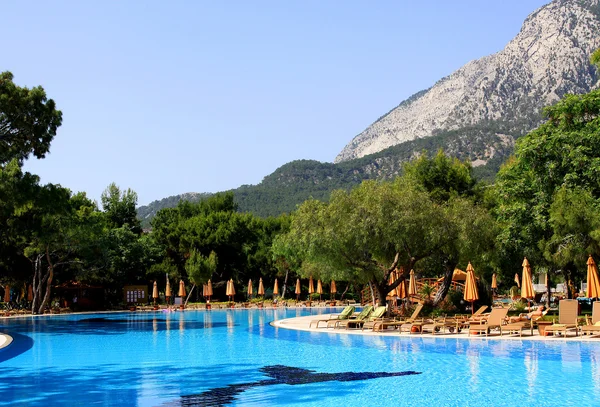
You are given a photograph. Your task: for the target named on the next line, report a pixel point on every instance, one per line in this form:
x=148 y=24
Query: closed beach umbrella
x=311 y=285
x=276 y=288
x=204 y=289
x=333 y=289
x=319 y=289
x=517 y=280
x=471 y=295
x=6 y=293
x=494 y=282
x=155 y=291
x=412 y=285
x=527 y=290
x=593 y=285
x=298 y=291
x=168 y=289
x=401 y=290
x=249 y=288
x=209 y=290
x=30 y=293
x=231 y=287
x=261 y=287
x=228 y=289
x=391 y=281
x=182 y=292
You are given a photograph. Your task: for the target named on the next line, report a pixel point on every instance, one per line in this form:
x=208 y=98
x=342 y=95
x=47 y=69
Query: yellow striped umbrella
x=261 y=287
x=471 y=295
x=527 y=290
x=593 y=285
x=412 y=285
x=275 y=288
x=181 y=289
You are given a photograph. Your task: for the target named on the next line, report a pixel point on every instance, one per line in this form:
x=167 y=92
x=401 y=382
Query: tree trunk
x=284 y=284
x=382 y=290
x=446 y=283
x=48 y=281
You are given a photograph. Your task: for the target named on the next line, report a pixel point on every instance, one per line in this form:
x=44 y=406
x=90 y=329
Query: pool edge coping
x=7 y=340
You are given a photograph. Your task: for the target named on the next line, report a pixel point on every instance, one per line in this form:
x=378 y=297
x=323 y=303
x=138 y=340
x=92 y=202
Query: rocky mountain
x=501 y=94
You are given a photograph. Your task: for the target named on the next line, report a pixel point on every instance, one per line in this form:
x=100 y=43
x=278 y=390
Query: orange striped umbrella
x=593 y=285
x=181 y=289
x=168 y=289
x=209 y=290
x=517 y=280
x=401 y=290
x=412 y=285
x=204 y=289
x=471 y=295
x=298 y=290
x=319 y=289
x=250 y=288
x=391 y=281
x=494 y=282
x=6 y=293
x=311 y=285
x=276 y=288
x=231 y=287
x=527 y=290
x=261 y=287
x=155 y=291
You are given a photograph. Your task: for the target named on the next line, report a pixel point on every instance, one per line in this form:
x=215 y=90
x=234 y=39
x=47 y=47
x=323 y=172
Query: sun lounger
x=567 y=318
x=376 y=315
x=363 y=315
x=519 y=327
x=384 y=324
x=593 y=326
x=494 y=320
x=345 y=314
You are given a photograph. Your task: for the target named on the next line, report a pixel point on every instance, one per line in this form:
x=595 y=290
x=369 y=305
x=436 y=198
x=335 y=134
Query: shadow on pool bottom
x=278 y=374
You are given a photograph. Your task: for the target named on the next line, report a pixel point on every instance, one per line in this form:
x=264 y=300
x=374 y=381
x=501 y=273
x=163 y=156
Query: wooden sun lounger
x=567 y=318
x=593 y=326
x=495 y=320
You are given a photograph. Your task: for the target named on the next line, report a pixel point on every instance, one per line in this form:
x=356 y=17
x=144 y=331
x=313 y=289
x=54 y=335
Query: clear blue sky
x=166 y=97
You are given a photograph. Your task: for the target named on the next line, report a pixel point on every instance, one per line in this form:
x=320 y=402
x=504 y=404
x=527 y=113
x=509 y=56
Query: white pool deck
x=303 y=324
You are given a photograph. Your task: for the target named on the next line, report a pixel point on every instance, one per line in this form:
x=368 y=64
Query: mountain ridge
x=547 y=59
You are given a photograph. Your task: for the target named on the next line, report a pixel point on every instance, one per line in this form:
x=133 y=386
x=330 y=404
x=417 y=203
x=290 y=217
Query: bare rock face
x=546 y=60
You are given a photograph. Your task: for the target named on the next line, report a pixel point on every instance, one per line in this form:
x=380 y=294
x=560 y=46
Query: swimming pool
x=235 y=358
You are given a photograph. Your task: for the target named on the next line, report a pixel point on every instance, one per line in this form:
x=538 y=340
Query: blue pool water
x=235 y=358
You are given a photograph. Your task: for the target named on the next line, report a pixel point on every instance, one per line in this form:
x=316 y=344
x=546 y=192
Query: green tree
x=365 y=234
x=561 y=154
x=119 y=207
x=28 y=121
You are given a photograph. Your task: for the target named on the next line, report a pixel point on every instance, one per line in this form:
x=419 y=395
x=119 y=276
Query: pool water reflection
x=234 y=357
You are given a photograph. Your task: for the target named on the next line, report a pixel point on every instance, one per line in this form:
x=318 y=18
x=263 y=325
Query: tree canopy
x=28 y=121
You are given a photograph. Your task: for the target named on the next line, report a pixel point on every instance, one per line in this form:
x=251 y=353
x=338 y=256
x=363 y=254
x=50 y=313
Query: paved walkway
x=302 y=324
